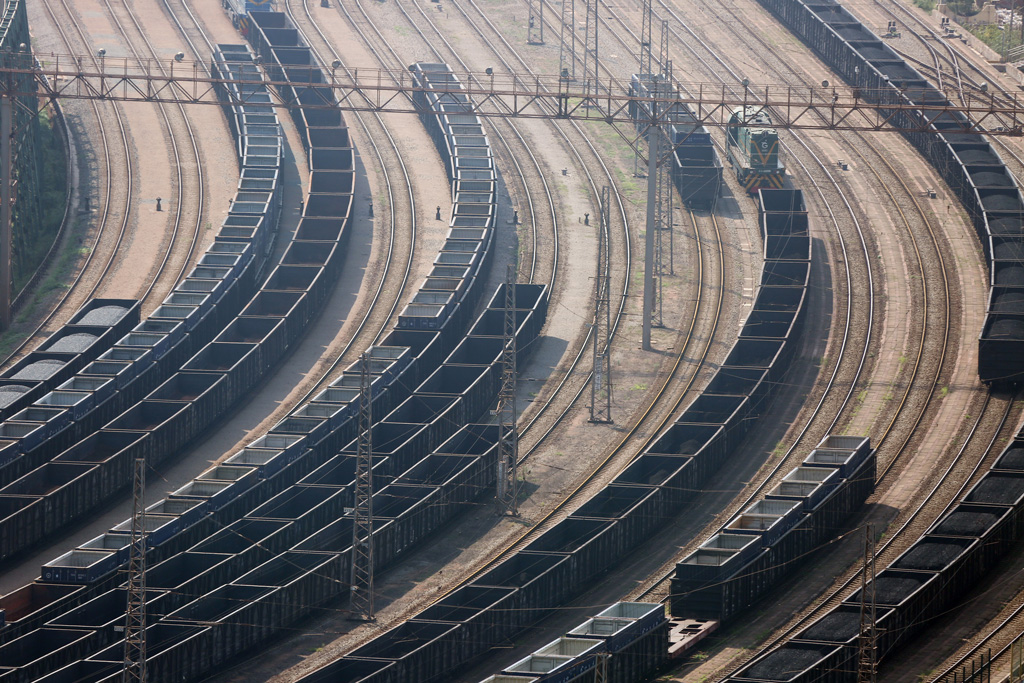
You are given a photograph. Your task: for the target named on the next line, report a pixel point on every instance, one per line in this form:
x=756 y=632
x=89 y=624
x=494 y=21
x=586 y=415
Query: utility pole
x=654 y=150
x=867 y=659
x=135 y=616
x=6 y=182
x=362 y=527
x=645 y=40
x=602 y=321
x=590 y=50
x=508 y=437
x=665 y=205
x=535 y=25
x=567 y=44
x=664 y=48
x=663 y=197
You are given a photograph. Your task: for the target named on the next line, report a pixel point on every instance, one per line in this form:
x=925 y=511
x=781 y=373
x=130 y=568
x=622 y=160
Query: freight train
x=483 y=616
x=752 y=146
x=55 y=462
x=219 y=546
x=922 y=585
x=766 y=542
x=696 y=168
x=967 y=162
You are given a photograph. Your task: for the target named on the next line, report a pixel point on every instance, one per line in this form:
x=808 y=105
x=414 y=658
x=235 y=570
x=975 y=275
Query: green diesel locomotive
x=752 y=145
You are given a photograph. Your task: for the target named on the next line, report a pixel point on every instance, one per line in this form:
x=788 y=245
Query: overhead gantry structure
x=486 y=94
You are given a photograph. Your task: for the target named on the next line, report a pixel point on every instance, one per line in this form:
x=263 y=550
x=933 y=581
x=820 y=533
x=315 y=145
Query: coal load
x=986 y=179
x=836 y=627
x=1005 y=226
x=999 y=490
x=967 y=524
x=783 y=664
x=1012 y=459
x=1007 y=329
x=1010 y=277
x=892 y=590
x=978 y=157
x=1009 y=251
x=42 y=369
x=1008 y=302
x=929 y=556
x=73 y=343
x=104 y=316
x=1000 y=202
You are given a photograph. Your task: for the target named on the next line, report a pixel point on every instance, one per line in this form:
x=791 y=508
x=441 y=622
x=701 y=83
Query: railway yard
x=389 y=385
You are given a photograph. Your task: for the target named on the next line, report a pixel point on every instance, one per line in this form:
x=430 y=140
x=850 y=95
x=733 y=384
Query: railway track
x=720 y=289
x=995 y=636
x=934 y=306
x=401 y=210
x=191 y=186
x=671 y=386
x=109 y=210
x=911 y=527
x=943 y=295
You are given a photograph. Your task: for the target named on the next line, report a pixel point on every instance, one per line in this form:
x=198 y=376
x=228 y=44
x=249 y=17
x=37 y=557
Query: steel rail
x=177 y=161
x=105 y=211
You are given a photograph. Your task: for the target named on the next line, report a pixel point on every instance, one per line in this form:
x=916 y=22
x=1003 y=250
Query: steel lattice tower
x=508 y=436
x=602 y=381
x=135 y=616
x=867 y=654
x=362 y=529
x=535 y=25
x=601 y=670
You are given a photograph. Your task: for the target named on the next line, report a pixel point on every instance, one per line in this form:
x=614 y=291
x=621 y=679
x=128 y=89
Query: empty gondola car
x=696 y=167
x=752 y=145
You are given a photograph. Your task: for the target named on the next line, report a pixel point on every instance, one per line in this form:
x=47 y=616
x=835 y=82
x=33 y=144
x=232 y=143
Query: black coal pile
x=835 y=627
x=930 y=556
x=987 y=179
x=978 y=157
x=966 y=524
x=784 y=663
x=1001 y=202
x=1012 y=459
x=995 y=489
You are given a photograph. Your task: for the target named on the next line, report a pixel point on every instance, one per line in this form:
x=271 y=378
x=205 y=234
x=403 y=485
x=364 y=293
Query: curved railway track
x=965 y=85
x=106 y=211
x=900 y=538
x=942 y=295
x=395 y=213
x=1000 y=636
x=915 y=523
x=669 y=387
x=726 y=75
x=928 y=304
x=397 y=60
x=179 y=165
